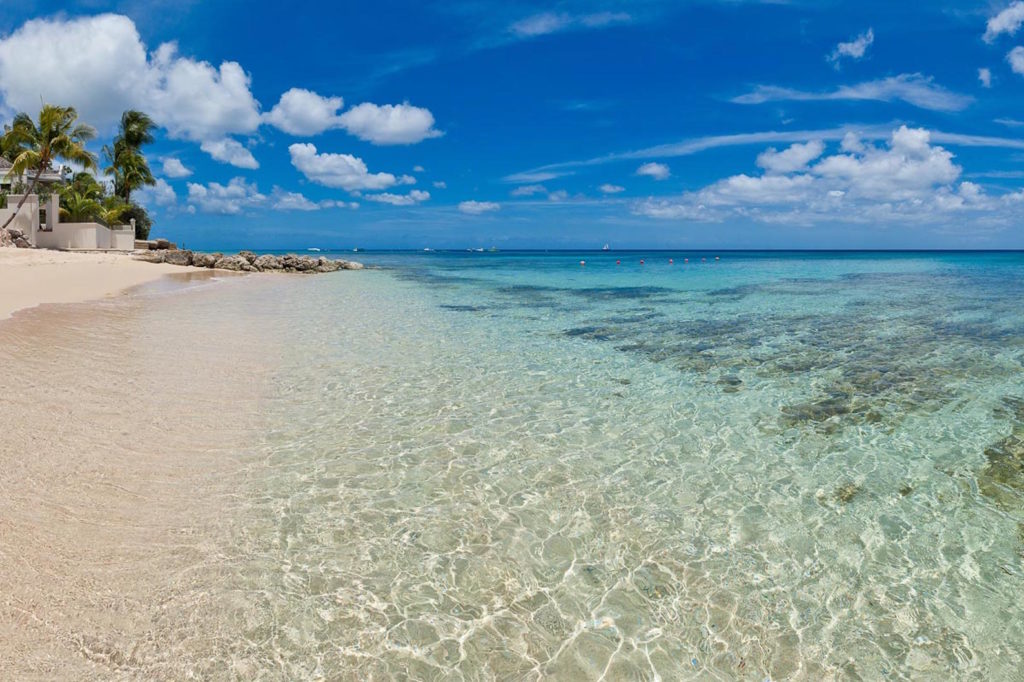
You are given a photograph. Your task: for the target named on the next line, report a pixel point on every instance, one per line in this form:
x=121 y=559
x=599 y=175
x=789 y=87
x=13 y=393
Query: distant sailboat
x=313 y=248
x=606 y=248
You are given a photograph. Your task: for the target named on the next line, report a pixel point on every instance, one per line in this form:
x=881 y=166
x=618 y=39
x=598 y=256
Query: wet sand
x=126 y=431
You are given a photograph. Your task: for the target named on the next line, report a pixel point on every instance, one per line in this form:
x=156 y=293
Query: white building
x=42 y=227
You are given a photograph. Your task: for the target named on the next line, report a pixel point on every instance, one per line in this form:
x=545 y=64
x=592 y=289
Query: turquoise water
x=768 y=466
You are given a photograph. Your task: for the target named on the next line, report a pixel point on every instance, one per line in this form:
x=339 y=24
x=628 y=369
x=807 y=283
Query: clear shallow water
x=492 y=466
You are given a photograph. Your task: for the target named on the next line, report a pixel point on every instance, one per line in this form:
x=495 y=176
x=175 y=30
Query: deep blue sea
x=656 y=466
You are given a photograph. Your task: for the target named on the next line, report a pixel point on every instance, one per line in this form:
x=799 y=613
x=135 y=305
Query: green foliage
x=84 y=199
x=35 y=146
x=127 y=163
x=143 y=222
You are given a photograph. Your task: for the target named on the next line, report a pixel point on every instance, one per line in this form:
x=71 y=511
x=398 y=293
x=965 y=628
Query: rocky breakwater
x=247 y=261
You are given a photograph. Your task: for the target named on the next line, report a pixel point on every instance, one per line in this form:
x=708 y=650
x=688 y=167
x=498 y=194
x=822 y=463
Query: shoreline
x=33 y=277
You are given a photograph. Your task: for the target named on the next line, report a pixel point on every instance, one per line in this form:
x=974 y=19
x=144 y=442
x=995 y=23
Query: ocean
x=514 y=466
x=657 y=466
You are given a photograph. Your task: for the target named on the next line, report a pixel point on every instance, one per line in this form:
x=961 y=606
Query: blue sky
x=723 y=124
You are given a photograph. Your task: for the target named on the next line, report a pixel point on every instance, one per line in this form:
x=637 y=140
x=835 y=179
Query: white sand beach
x=30 y=277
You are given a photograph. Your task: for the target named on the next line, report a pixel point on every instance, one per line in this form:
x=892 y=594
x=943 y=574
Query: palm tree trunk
x=24 y=198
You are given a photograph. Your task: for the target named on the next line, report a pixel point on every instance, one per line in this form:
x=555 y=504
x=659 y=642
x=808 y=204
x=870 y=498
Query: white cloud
x=160 y=194
x=440 y=184
x=231 y=152
x=794 y=158
x=174 y=168
x=1010 y=122
x=341 y=170
x=1016 y=59
x=558 y=195
x=1007 y=21
x=658 y=171
x=100 y=66
x=553 y=22
x=909 y=179
x=478 y=207
x=411 y=199
x=528 y=190
x=914 y=88
x=611 y=189
x=304 y=112
x=196 y=101
x=418 y=169
x=281 y=200
x=854 y=49
x=230 y=199
x=985 y=77
x=390 y=123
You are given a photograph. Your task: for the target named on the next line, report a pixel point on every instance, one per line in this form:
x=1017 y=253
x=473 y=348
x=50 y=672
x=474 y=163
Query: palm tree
x=128 y=165
x=57 y=136
x=83 y=199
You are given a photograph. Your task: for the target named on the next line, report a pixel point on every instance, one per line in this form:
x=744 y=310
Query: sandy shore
x=30 y=277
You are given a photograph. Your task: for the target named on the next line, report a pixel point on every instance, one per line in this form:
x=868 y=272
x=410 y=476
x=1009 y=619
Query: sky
x=463 y=124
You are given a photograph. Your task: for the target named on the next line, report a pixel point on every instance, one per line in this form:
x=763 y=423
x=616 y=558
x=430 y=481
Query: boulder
x=351 y=265
x=22 y=243
x=249 y=256
x=267 y=262
x=163 y=244
x=232 y=263
x=204 y=260
x=15 y=232
x=151 y=256
x=183 y=257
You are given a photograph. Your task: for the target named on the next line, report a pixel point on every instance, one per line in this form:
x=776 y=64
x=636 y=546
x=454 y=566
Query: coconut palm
x=58 y=135
x=127 y=164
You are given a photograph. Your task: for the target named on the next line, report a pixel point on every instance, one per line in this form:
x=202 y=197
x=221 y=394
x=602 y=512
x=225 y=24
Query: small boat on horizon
x=313 y=248
x=606 y=248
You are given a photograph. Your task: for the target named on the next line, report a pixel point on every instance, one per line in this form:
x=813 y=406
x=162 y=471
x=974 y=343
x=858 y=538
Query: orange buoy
x=618 y=262
x=583 y=262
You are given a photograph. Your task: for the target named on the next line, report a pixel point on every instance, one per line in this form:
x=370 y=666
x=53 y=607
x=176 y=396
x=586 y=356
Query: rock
x=232 y=263
x=351 y=265
x=15 y=232
x=22 y=243
x=151 y=256
x=179 y=257
x=163 y=244
x=267 y=262
x=5 y=239
x=249 y=256
x=204 y=260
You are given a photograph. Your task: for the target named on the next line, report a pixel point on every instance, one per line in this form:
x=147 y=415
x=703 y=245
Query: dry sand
x=30 y=277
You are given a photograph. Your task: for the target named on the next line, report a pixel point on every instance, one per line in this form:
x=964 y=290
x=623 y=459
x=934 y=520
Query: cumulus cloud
x=440 y=184
x=231 y=152
x=390 y=123
x=913 y=88
x=231 y=199
x=909 y=178
x=553 y=22
x=1016 y=59
x=341 y=170
x=281 y=200
x=985 y=77
x=304 y=112
x=853 y=49
x=411 y=199
x=160 y=194
x=558 y=195
x=478 y=207
x=611 y=189
x=100 y=66
x=528 y=190
x=174 y=168
x=658 y=171
x=793 y=158
x=1007 y=21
